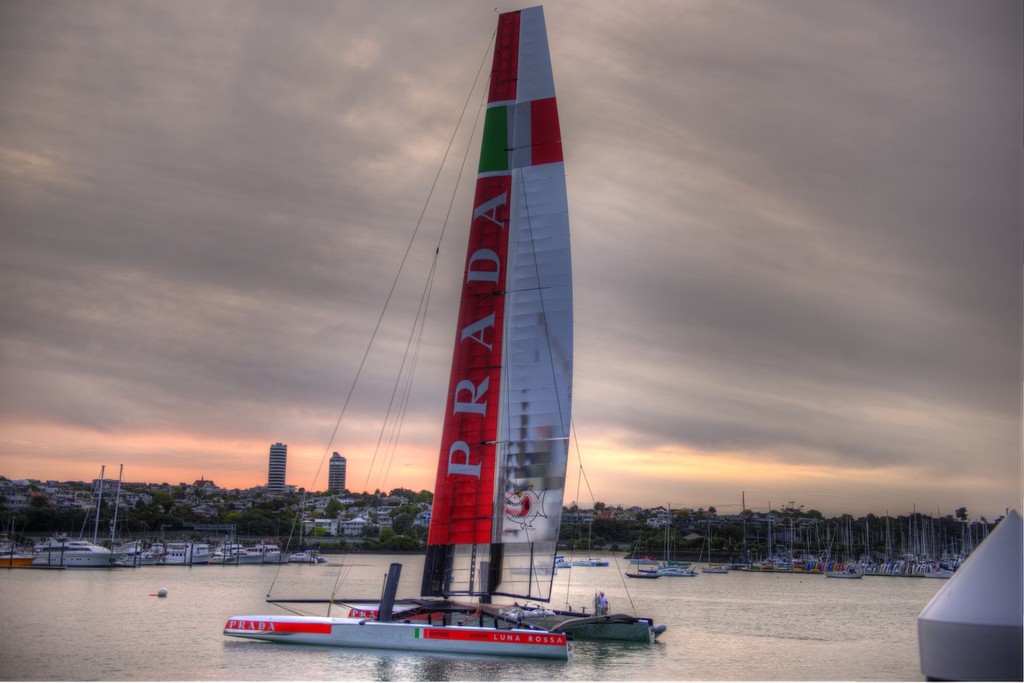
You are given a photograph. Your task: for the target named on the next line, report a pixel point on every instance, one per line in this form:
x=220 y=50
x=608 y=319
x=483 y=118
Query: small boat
x=153 y=554
x=669 y=570
x=583 y=626
x=60 y=551
x=850 y=571
x=14 y=555
x=186 y=553
x=644 y=574
x=263 y=553
x=307 y=557
x=938 y=574
x=590 y=562
x=227 y=553
x=222 y=558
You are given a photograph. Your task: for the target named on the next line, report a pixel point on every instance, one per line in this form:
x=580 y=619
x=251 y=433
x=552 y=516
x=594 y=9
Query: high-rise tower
x=336 y=472
x=278 y=461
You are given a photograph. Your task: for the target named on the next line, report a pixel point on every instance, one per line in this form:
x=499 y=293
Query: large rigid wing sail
x=502 y=461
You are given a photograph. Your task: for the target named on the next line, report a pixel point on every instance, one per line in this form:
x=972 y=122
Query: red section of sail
x=505 y=67
x=545 y=135
x=464 y=491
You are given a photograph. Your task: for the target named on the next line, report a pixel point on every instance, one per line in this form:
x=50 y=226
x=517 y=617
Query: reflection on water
x=106 y=625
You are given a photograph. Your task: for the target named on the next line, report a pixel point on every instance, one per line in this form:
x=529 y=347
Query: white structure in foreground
x=972 y=629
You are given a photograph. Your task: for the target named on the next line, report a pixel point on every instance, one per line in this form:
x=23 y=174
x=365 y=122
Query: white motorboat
x=153 y=554
x=186 y=553
x=590 y=562
x=307 y=557
x=60 y=551
x=263 y=553
x=670 y=570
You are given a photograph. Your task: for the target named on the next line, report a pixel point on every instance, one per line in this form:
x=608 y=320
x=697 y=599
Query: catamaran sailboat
x=502 y=461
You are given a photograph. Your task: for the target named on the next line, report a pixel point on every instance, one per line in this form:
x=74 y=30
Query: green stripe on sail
x=494 y=148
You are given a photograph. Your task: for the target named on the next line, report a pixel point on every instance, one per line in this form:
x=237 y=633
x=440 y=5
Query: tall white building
x=336 y=472
x=278 y=462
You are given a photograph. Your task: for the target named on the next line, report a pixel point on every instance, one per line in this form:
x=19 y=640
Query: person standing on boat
x=600 y=604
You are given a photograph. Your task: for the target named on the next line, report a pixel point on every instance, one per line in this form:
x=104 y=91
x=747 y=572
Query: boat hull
x=55 y=558
x=610 y=627
x=365 y=633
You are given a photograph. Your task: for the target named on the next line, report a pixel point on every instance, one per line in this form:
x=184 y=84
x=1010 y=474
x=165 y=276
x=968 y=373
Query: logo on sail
x=523 y=507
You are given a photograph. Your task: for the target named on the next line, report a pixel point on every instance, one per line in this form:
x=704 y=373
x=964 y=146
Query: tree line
x=688 y=536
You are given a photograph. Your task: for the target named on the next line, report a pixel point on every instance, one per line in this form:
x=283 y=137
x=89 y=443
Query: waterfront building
x=336 y=472
x=276 y=471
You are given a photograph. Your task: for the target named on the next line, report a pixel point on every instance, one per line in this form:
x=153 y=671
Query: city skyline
x=796 y=244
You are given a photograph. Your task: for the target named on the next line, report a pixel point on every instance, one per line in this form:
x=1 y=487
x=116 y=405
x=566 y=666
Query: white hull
x=186 y=554
x=939 y=574
x=355 y=632
x=56 y=559
x=72 y=553
x=676 y=571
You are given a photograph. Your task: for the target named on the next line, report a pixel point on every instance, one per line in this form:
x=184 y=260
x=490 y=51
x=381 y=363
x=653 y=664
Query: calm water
x=105 y=625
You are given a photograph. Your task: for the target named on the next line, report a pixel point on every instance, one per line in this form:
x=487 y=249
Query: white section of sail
x=534 y=418
x=536 y=81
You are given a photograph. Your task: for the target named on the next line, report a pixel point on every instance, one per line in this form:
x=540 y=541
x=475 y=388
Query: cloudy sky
x=796 y=247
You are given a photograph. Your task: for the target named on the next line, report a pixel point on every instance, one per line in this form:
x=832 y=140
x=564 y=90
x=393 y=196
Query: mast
x=117 y=502
x=99 y=499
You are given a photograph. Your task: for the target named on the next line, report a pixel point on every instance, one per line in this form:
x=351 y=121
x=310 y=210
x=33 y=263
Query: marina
x=740 y=626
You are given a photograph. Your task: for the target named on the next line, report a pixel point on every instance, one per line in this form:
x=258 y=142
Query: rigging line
x=407 y=394
x=583 y=476
x=337 y=582
x=572 y=554
x=424 y=301
x=394 y=284
x=403 y=379
x=428 y=289
x=423 y=311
